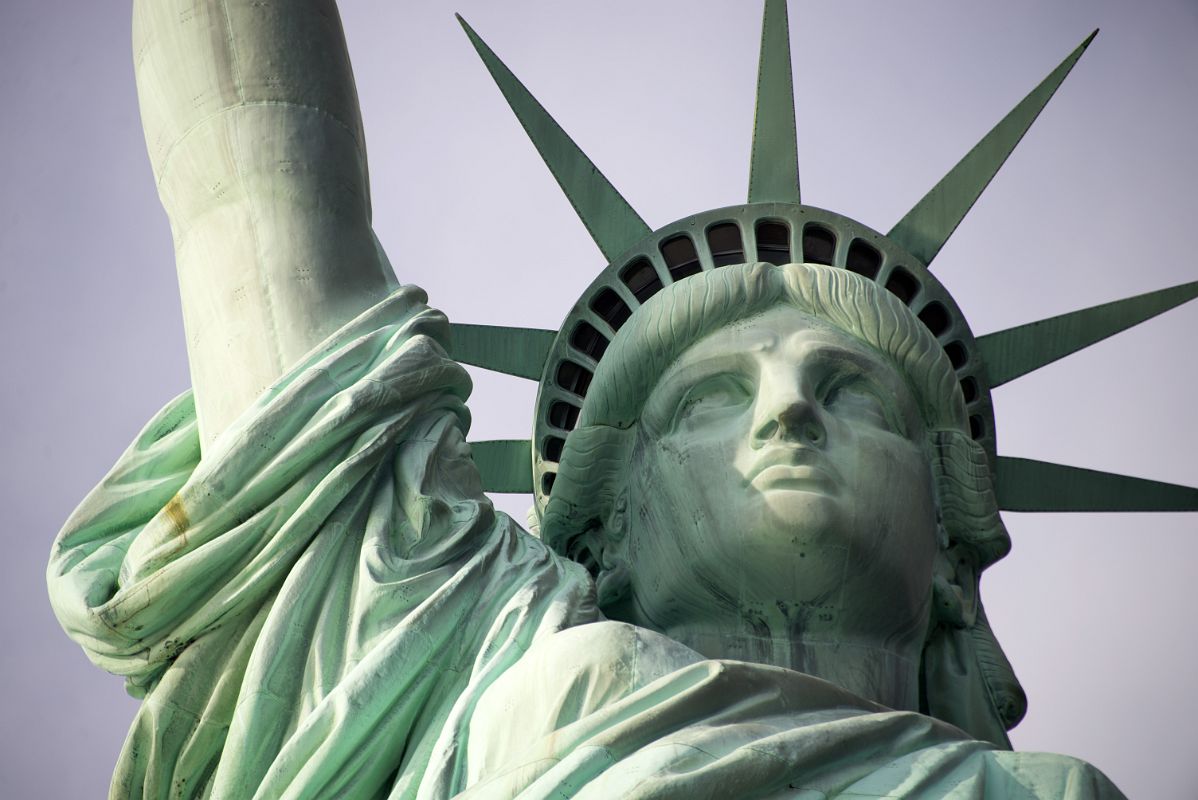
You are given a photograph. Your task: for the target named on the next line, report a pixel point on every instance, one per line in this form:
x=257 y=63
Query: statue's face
x=780 y=487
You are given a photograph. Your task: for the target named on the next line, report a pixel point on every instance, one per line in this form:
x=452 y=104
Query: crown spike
x=513 y=351
x=774 y=164
x=608 y=218
x=1017 y=351
x=1027 y=485
x=927 y=226
x=503 y=465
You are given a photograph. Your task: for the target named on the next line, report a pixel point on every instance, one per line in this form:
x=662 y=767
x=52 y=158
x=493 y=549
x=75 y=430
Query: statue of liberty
x=764 y=467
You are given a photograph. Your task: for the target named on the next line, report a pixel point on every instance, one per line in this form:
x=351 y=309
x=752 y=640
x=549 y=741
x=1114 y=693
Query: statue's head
x=781 y=454
x=751 y=457
x=793 y=464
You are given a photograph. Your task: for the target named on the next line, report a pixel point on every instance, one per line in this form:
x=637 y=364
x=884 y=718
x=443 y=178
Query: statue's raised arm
x=309 y=605
x=252 y=123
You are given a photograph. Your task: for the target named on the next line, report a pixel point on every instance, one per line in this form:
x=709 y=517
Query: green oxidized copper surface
x=840 y=242
x=764 y=460
x=907 y=250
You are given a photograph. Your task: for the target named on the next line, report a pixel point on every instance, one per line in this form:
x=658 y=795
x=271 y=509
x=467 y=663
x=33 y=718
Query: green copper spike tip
x=774 y=165
x=503 y=465
x=1017 y=351
x=513 y=351
x=1027 y=485
x=608 y=218
x=927 y=226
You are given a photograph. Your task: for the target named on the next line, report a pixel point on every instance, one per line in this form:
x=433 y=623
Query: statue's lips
x=794 y=469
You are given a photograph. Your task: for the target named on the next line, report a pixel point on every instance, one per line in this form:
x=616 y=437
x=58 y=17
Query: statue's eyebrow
x=876 y=366
x=719 y=358
x=671 y=385
x=735 y=360
x=867 y=361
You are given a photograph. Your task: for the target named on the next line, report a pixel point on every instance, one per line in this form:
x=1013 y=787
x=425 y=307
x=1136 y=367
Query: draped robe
x=327 y=605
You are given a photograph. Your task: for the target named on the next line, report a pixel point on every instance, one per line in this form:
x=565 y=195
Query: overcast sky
x=1095 y=611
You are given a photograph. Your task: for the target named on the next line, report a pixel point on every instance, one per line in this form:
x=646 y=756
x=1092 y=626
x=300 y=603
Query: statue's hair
x=592 y=472
x=686 y=311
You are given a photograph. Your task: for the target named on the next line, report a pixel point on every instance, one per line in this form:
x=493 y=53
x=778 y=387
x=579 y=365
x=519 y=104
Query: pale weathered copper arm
x=252 y=125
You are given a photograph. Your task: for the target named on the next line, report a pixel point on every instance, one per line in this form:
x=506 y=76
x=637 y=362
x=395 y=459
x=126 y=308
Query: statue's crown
x=775 y=226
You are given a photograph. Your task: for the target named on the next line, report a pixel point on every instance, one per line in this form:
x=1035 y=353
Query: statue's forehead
x=783 y=330
x=782 y=336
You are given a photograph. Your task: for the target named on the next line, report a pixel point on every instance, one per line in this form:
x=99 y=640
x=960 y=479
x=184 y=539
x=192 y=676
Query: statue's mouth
x=793 y=468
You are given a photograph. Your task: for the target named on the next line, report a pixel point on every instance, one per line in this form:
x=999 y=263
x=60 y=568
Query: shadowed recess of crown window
x=819 y=245
x=773 y=242
x=588 y=340
x=969 y=388
x=903 y=285
x=725 y=244
x=547 y=482
x=641 y=279
x=553 y=448
x=935 y=318
x=956 y=354
x=610 y=308
x=976 y=428
x=863 y=259
x=574 y=378
x=680 y=256
x=563 y=415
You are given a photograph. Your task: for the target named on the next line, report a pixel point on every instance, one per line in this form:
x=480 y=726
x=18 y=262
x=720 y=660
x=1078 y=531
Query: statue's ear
x=608 y=547
x=954 y=586
x=955 y=685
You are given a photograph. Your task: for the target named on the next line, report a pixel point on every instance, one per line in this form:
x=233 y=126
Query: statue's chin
x=790 y=561
x=787 y=517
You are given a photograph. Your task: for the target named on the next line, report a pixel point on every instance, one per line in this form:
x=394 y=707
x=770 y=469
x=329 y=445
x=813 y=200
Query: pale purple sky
x=1095 y=611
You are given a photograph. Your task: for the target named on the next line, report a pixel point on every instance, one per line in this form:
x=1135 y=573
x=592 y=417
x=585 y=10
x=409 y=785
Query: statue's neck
x=885 y=671
x=867 y=669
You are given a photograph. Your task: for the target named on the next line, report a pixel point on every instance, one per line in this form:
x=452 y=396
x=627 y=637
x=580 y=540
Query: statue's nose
x=790 y=416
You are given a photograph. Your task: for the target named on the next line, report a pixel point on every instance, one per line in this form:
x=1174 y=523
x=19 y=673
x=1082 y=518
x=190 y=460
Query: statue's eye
x=711 y=396
x=856 y=397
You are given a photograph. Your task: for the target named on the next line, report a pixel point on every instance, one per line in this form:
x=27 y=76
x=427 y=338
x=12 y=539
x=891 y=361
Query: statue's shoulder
x=602 y=661
x=588 y=698
x=562 y=678
x=1029 y=774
